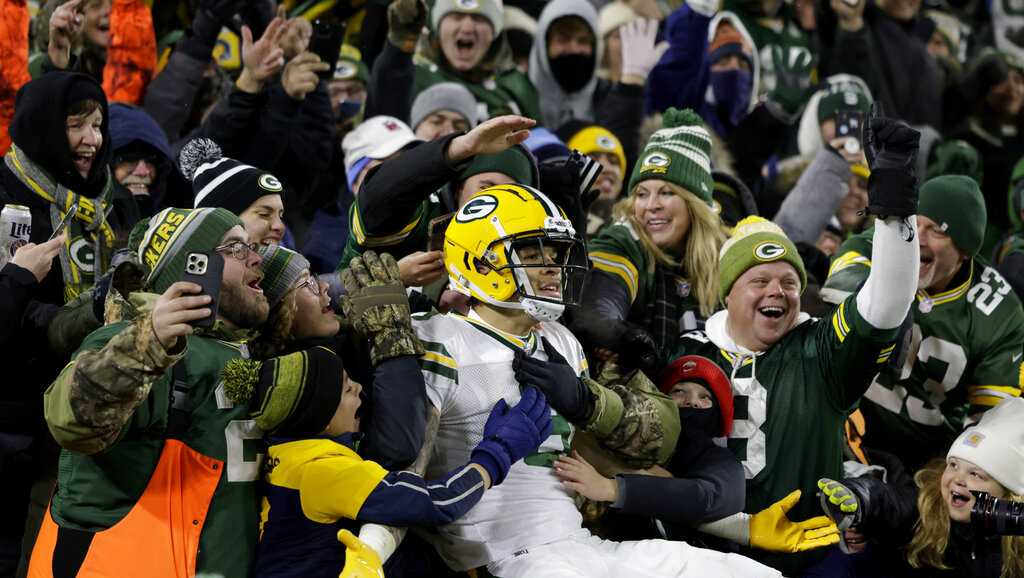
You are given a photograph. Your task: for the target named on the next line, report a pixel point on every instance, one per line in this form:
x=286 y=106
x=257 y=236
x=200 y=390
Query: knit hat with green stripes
x=282 y=269
x=680 y=153
x=755 y=241
x=292 y=395
x=174 y=233
x=957 y=206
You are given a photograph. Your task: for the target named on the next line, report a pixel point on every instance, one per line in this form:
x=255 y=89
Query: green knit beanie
x=844 y=97
x=295 y=394
x=282 y=269
x=680 y=153
x=515 y=162
x=173 y=233
x=955 y=203
x=755 y=241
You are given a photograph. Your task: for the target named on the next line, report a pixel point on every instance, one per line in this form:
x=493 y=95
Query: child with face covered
x=705 y=481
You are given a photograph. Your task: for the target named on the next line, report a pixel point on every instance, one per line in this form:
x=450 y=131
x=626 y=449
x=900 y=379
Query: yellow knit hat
x=596 y=139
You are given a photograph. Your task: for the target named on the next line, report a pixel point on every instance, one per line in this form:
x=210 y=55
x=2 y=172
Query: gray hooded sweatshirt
x=556 y=106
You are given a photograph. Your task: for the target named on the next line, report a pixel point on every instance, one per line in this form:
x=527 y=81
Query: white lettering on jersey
x=989 y=293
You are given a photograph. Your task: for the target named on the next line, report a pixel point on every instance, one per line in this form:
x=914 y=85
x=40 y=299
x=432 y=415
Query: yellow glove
x=360 y=560
x=772 y=530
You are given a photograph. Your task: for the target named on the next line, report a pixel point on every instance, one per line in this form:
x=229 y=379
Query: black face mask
x=695 y=420
x=572 y=71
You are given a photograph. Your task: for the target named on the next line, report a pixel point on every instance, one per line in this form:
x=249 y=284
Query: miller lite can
x=15 y=230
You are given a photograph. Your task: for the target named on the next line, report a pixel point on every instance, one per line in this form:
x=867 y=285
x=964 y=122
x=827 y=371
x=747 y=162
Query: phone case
x=207 y=271
x=435 y=232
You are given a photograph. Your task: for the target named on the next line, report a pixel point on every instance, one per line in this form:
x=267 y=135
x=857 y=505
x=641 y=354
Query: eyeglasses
x=310 y=283
x=237 y=249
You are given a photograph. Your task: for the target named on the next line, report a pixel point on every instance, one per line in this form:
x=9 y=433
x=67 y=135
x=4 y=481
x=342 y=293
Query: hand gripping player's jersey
x=791 y=401
x=965 y=356
x=467 y=369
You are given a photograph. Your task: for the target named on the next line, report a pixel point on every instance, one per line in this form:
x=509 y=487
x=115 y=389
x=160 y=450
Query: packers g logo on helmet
x=769 y=251
x=485 y=245
x=477 y=208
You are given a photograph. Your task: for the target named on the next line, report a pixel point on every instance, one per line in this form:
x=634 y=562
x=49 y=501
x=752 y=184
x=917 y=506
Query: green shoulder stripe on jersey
x=438 y=368
x=619 y=266
x=950 y=295
x=436 y=359
x=839 y=322
x=508 y=340
x=382 y=240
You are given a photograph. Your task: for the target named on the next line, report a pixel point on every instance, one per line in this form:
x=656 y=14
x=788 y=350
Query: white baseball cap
x=376 y=138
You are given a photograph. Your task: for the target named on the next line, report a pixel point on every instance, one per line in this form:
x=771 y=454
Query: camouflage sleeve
x=92 y=399
x=633 y=420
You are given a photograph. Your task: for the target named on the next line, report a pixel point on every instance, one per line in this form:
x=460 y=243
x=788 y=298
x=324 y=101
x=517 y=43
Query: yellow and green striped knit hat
x=173 y=233
x=680 y=153
x=755 y=241
x=292 y=395
x=282 y=269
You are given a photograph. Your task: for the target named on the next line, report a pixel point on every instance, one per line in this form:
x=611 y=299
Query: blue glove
x=510 y=434
x=559 y=382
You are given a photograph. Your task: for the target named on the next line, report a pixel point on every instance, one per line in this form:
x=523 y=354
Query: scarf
x=88 y=229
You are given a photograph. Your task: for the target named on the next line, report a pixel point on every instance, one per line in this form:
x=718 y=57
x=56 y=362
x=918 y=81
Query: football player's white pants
x=583 y=555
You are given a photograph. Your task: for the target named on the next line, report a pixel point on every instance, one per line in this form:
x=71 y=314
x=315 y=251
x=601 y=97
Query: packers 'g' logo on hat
x=477 y=208
x=270 y=183
x=468 y=4
x=769 y=251
x=345 y=70
x=656 y=163
x=689 y=366
x=974 y=439
x=605 y=142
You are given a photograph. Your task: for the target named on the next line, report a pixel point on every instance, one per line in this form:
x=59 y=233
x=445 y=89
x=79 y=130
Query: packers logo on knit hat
x=345 y=70
x=769 y=251
x=468 y=4
x=656 y=163
x=605 y=142
x=974 y=439
x=269 y=182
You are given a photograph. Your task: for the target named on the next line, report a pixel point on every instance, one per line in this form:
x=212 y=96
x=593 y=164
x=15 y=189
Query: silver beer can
x=15 y=230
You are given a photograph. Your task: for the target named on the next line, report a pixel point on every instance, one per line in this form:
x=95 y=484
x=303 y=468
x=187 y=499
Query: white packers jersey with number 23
x=467 y=368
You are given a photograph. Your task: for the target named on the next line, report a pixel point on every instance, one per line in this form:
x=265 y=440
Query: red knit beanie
x=702 y=370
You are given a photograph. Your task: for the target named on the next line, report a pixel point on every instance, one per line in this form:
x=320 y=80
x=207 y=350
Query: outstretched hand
x=263 y=58
x=578 y=475
x=491 y=137
x=772 y=530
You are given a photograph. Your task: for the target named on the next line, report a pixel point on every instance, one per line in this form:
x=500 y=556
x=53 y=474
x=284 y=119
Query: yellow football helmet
x=501 y=233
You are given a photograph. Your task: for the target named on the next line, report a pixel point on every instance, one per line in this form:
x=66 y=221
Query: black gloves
x=565 y=391
x=891 y=147
x=569 y=184
x=638 y=350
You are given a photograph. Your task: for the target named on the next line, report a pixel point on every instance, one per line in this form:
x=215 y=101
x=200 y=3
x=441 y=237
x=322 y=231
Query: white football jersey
x=467 y=369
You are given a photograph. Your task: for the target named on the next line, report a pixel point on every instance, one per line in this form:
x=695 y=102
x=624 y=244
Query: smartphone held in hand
x=207 y=271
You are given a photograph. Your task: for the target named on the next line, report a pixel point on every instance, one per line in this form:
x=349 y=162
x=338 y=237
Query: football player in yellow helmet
x=511 y=247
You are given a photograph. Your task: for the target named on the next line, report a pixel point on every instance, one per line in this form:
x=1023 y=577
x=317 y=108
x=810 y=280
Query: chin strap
x=543 y=310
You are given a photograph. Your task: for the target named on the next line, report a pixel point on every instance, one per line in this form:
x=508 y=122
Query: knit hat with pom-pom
x=680 y=153
x=219 y=181
x=292 y=395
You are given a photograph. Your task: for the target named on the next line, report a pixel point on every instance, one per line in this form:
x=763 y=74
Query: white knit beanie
x=996 y=444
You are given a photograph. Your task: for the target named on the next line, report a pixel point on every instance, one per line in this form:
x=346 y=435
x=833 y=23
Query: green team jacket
x=618 y=252
x=411 y=237
x=509 y=92
x=109 y=408
x=965 y=356
x=791 y=402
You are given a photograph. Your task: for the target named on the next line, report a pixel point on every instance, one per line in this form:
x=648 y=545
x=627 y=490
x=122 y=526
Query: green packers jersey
x=965 y=356
x=800 y=389
x=95 y=491
x=618 y=252
x=510 y=92
x=407 y=237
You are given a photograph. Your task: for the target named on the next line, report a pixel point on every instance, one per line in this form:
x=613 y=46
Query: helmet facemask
x=549 y=271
